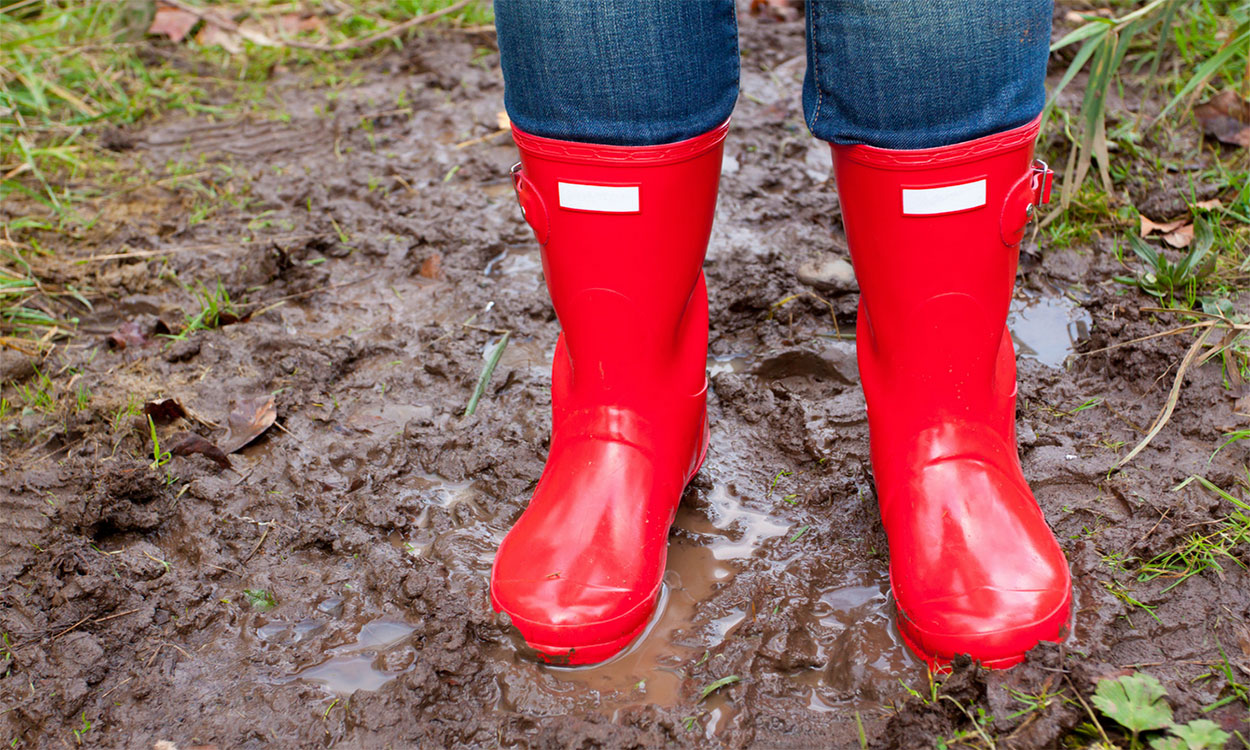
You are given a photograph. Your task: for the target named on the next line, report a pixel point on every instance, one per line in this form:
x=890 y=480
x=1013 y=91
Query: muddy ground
x=380 y=264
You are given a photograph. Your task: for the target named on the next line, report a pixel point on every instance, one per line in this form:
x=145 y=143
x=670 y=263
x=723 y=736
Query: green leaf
x=1145 y=251
x=1135 y=701
x=722 y=682
x=260 y=599
x=1201 y=734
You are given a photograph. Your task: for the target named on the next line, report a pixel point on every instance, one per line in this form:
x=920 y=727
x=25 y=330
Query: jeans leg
x=618 y=72
x=910 y=74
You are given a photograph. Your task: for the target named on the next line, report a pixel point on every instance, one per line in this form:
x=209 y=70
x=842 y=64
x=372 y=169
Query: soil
x=379 y=259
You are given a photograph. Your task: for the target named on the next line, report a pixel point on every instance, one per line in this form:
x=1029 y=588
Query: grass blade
x=487 y=371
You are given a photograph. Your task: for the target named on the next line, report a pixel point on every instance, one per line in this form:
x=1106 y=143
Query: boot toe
x=572 y=621
x=994 y=626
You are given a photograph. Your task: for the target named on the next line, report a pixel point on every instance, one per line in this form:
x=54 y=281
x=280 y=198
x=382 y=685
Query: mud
x=381 y=263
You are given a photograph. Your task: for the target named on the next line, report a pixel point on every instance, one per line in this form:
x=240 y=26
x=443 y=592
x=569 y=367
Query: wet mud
x=381 y=263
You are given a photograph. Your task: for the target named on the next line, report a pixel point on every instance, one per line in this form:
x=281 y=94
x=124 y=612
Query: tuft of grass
x=1136 y=42
x=1206 y=550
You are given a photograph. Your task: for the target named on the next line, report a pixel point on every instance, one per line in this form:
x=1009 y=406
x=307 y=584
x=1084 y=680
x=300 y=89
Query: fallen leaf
x=248 y=419
x=173 y=23
x=1242 y=407
x=1226 y=118
x=215 y=35
x=127 y=334
x=1181 y=237
x=1149 y=227
x=191 y=443
x=432 y=267
x=293 y=23
x=1212 y=205
x=164 y=411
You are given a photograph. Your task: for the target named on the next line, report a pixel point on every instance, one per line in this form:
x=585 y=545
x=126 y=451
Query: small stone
x=829 y=275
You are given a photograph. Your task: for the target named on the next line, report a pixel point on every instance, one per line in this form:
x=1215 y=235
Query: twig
x=1088 y=710
x=1173 y=397
x=262 y=541
x=123 y=682
x=186 y=248
x=306 y=292
x=481 y=139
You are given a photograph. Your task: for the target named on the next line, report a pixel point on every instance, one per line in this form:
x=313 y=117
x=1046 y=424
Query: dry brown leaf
x=173 y=23
x=248 y=419
x=1149 y=227
x=1181 y=237
x=432 y=267
x=191 y=443
x=1226 y=118
x=215 y=35
x=128 y=334
x=293 y=23
x=1212 y=205
x=1242 y=405
x=164 y=411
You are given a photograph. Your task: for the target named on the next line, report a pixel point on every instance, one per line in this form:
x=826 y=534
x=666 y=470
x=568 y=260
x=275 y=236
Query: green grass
x=1210 y=548
x=72 y=69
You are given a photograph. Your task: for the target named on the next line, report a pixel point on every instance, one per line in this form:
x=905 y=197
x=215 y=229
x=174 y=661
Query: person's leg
x=911 y=74
x=619 y=112
x=618 y=73
x=931 y=107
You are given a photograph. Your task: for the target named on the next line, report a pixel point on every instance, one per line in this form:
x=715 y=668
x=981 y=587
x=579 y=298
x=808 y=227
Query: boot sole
x=941 y=664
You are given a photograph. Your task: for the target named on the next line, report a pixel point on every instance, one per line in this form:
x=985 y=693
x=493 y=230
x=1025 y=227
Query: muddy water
x=1047 y=327
x=729 y=534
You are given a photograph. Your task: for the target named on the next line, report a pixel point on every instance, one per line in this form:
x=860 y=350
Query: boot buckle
x=532 y=208
x=1040 y=180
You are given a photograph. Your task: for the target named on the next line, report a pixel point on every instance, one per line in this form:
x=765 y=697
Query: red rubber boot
x=624 y=231
x=934 y=237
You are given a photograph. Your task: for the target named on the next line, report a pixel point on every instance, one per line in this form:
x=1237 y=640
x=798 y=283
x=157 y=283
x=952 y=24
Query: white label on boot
x=601 y=198
x=943 y=200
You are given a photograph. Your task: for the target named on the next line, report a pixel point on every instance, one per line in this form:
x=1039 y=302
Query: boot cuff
x=591 y=153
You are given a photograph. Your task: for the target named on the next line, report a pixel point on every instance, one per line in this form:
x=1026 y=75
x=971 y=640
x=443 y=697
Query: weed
x=37 y=395
x=82 y=397
x=717 y=685
x=132 y=408
x=82 y=731
x=159 y=457
x=1119 y=591
x=1137 y=703
x=1164 y=279
x=260 y=599
x=1237 y=690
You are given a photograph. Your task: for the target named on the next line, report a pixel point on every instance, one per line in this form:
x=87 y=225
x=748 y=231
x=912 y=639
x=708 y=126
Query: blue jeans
x=901 y=74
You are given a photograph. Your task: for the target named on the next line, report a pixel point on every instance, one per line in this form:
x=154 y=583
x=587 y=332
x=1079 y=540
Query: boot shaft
x=934 y=236
x=624 y=231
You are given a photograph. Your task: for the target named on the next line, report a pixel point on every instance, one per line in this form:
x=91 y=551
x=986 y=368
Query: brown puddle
x=1047 y=327
x=362 y=665
x=860 y=654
